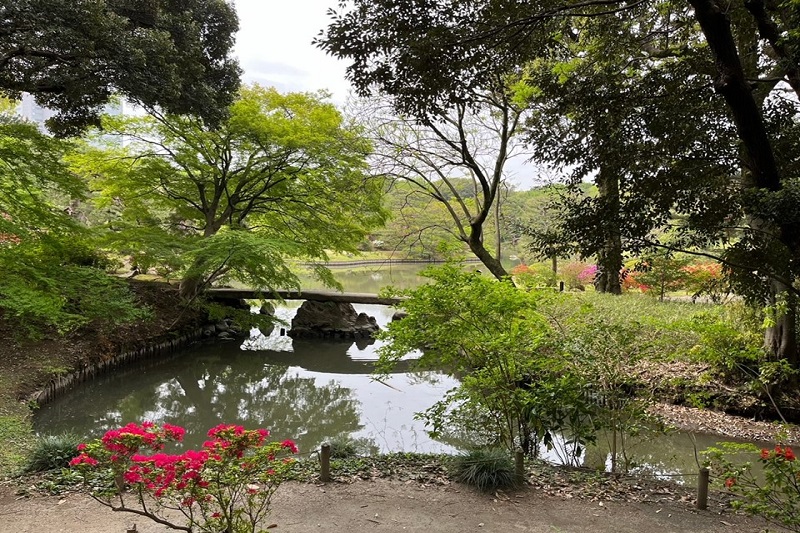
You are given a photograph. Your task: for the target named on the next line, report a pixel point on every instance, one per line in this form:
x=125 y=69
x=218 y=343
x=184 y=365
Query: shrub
x=346 y=447
x=775 y=494
x=225 y=486
x=570 y=273
x=532 y=276
x=485 y=469
x=53 y=451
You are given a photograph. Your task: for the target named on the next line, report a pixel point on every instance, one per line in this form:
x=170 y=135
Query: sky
x=274 y=49
x=274 y=46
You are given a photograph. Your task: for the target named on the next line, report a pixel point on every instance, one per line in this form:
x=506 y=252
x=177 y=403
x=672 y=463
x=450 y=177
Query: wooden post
x=702 y=489
x=325 y=463
x=519 y=465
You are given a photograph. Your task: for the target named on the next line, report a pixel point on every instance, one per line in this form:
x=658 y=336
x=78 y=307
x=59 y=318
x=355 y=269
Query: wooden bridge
x=315 y=296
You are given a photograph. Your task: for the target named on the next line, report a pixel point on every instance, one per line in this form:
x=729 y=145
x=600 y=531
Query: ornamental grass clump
x=51 y=452
x=226 y=486
x=485 y=469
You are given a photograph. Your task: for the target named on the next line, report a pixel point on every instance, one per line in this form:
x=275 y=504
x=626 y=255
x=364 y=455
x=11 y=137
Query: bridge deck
x=315 y=295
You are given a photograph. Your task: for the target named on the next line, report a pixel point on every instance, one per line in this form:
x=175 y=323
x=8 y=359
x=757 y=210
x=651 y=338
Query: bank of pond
x=311 y=391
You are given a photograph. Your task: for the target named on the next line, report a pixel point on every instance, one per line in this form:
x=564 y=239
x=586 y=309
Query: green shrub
x=53 y=451
x=485 y=469
x=346 y=447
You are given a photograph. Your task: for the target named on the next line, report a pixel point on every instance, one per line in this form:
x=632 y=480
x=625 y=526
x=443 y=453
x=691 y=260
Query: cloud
x=274 y=46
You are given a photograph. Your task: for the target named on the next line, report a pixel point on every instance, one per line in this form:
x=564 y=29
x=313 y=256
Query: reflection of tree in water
x=209 y=388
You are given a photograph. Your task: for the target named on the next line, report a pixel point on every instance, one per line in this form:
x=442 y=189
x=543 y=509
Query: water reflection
x=306 y=390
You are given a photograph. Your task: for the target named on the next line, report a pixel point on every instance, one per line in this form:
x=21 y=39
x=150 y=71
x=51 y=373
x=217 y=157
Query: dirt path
x=384 y=505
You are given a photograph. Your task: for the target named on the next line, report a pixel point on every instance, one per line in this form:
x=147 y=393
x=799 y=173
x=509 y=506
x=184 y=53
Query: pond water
x=310 y=391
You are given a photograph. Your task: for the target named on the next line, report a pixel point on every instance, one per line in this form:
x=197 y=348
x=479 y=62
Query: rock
x=331 y=320
x=399 y=315
x=267 y=308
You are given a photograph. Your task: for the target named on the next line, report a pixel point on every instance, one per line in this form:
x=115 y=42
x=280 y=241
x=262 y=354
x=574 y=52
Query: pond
x=310 y=391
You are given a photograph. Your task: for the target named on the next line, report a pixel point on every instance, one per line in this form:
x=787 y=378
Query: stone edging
x=61 y=384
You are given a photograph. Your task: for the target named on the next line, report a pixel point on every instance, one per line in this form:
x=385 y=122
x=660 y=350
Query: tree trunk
x=489 y=261
x=781 y=339
x=609 y=257
x=733 y=85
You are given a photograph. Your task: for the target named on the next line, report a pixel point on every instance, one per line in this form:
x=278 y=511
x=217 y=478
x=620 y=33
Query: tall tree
x=609 y=93
x=457 y=159
x=72 y=54
x=285 y=176
x=50 y=276
x=448 y=47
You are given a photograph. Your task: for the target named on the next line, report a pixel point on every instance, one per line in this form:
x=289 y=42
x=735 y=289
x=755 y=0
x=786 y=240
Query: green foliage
x=42 y=287
x=774 y=493
x=71 y=54
x=513 y=390
x=534 y=276
x=731 y=342
x=53 y=451
x=347 y=447
x=52 y=273
x=603 y=354
x=283 y=177
x=32 y=176
x=662 y=272
x=485 y=469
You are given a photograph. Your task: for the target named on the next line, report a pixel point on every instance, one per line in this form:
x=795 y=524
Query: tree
x=618 y=102
x=72 y=54
x=284 y=176
x=52 y=277
x=457 y=159
x=451 y=46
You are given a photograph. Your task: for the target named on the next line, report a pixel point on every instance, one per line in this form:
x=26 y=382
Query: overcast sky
x=274 y=46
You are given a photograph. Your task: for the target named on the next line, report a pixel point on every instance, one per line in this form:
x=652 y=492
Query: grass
x=52 y=452
x=485 y=469
x=16 y=434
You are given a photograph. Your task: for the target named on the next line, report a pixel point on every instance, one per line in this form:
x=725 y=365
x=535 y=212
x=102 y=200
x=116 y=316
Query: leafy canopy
x=284 y=176
x=72 y=54
x=51 y=275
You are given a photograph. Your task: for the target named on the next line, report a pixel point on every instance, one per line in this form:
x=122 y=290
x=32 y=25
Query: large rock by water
x=331 y=320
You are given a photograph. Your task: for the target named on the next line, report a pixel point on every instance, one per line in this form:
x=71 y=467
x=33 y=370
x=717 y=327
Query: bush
x=485 y=469
x=572 y=274
x=533 y=276
x=773 y=493
x=346 y=447
x=53 y=451
x=225 y=486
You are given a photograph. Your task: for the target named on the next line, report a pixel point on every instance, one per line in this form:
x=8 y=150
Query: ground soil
x=373 y=505
x=391 y=505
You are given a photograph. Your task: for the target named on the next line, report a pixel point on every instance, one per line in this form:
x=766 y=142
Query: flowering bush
x=773 y=493
x=226 y=486
x=571 y=273
x=702 y=276
x=532 y=276
x=588 y=274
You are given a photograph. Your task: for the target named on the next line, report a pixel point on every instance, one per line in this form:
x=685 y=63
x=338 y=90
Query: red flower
x=83 y=459
x=289 y=445
x=788 y=454
x=764 y=453
x=730 y=482
x=81 y=447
